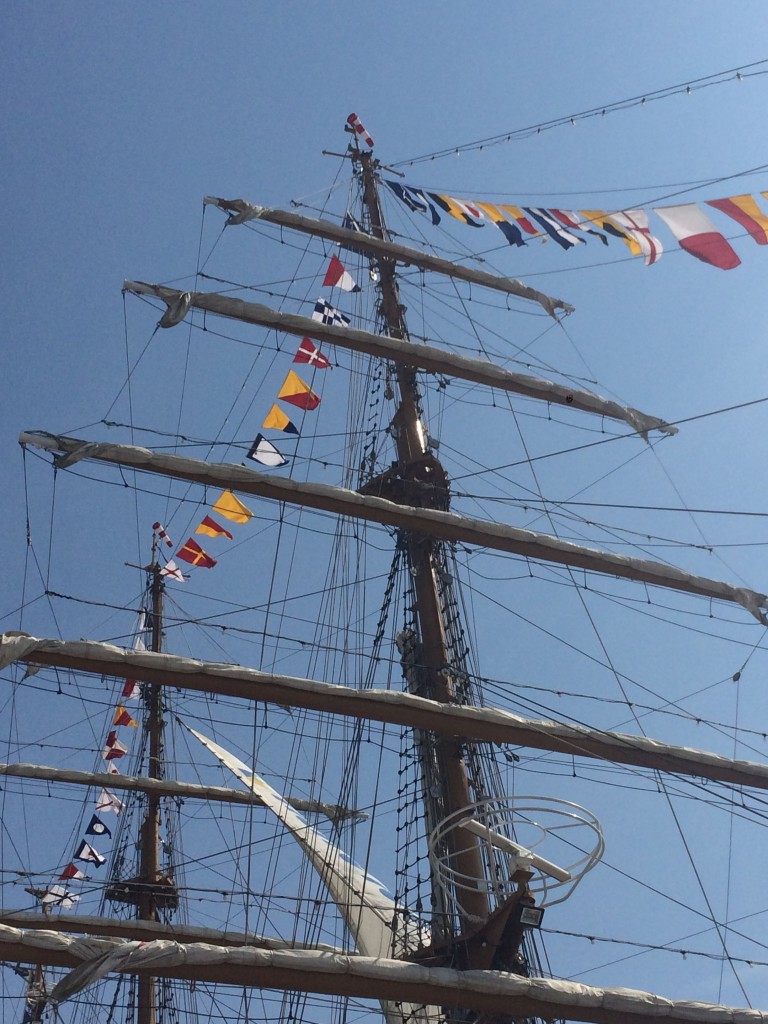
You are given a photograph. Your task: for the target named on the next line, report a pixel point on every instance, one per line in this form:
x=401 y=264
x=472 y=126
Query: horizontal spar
x=492 y=992
x=166 y=787
x=394 y=707
x=241 y=211
x=145 y=931
x=429 y=522
x=424 y=357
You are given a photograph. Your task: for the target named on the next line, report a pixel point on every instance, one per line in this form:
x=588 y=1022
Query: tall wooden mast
x=419 y=479
x=150 y=891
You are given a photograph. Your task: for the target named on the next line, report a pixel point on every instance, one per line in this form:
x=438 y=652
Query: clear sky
x=119 y=118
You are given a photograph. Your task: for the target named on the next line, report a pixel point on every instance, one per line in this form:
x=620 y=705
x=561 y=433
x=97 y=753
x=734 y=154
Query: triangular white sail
x=374 y=920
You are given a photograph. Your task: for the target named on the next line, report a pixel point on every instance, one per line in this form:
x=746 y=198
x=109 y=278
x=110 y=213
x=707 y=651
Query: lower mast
x=150 y=891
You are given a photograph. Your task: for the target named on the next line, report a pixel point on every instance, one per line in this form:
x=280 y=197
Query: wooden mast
x=416 y=466
x=150 y=891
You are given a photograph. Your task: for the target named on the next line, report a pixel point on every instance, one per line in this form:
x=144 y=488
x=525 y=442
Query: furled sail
x=241 y=211
x=434 y=522
x=396 y=707
x=426 y=357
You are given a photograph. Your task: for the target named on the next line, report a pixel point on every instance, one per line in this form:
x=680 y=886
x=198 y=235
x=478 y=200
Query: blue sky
x=118 y=119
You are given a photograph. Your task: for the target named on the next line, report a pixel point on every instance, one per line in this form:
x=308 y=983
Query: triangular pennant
x=309 y=353
x=191 y=552
x=338 y=277
x=211 y=528
x=123 y=717
x=107 y=801
x=277 y=420
x=230 y=507
x=264 y=451
x=173 y=572
x=96 y=827
x=295 y=391
x=87 y=853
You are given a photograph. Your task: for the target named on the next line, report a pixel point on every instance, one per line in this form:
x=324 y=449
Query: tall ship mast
x=362 y=832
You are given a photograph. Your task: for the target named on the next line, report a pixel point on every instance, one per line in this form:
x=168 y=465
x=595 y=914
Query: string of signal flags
x=294 y=391
x=689 y=224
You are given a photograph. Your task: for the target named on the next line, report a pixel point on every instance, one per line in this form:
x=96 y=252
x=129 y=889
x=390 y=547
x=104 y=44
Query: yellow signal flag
x=277 y=420
x=295 y=391
x=232 y=508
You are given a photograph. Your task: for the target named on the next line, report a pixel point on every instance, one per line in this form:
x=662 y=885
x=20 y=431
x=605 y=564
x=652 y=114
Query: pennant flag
x=511 y=232
x=517 y=214
x=212 y=529
x=71 y=871
x=325 y=313
x=161 y=534
x=337 y=277
x=172 y=570
x=113 y=747
x=277 y=420
x=403 y=194
x=635 y=223
x=232 y=508
x=87 y=853
x=107 y=801
x=96 y=827
x=112 y=768
x=192 y=552
x=414 y=199
x=357 y=125
x=58 y=896
x=698 y=235
x=122 y=717
x=131 y=690
x=555 y=231
x=310 y=353
x=460 y=210
x=295 y=391
x=606 y=223
x=746 y=212
x=574 y=223
x=264 y=451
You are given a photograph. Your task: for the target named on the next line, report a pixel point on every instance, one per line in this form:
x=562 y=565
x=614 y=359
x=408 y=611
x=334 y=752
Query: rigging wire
x=641 y=99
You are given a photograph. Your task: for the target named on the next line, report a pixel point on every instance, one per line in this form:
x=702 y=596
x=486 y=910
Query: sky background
x=118 y=119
